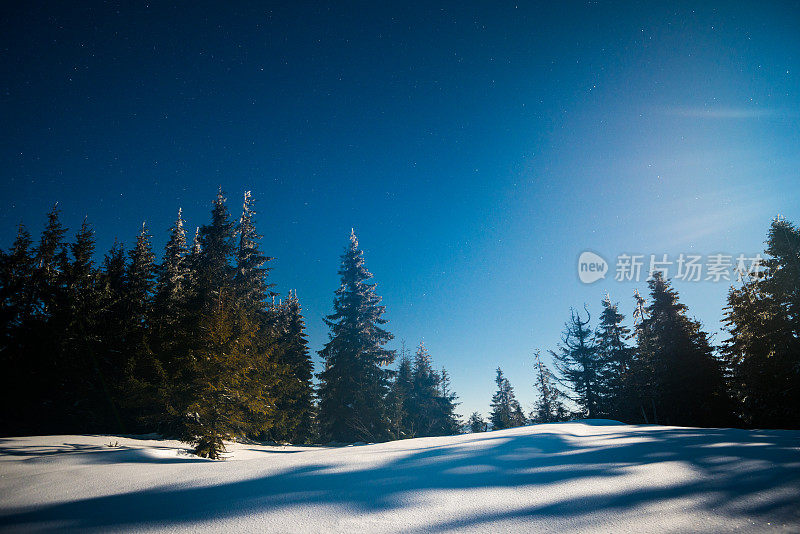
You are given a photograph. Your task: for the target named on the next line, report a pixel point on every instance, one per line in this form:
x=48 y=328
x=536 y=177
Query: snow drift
x=591 y=476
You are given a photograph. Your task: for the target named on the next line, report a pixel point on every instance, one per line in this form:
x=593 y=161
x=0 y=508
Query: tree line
x=197 y=346
x=665 y=369
x=200 y=348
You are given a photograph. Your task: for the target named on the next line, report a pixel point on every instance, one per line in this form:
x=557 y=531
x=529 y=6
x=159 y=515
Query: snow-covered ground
x=594 y=476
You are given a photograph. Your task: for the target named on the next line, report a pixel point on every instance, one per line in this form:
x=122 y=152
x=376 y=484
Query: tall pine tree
x=684 y=377
x=294 y=413
x=578 y=363
x=763 y=319
x=353 y=386
x=616 y=364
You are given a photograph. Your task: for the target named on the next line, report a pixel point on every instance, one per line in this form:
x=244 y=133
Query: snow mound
x=582 y=476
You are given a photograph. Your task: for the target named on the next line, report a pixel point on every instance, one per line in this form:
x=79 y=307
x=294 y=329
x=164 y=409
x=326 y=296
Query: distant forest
x=200 y=347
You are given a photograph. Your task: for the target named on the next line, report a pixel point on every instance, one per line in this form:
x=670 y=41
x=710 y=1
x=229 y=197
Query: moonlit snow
x=591 y=476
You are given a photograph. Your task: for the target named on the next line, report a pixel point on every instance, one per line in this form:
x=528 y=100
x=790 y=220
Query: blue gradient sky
x=476 y=149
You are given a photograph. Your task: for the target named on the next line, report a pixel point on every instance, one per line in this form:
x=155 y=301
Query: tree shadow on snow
x=96 y=454
x=497 y=460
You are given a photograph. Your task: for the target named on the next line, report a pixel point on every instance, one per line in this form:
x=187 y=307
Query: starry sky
x=476 y=148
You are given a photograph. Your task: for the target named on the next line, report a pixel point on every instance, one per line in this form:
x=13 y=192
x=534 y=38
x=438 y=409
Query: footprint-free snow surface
x=590 y=476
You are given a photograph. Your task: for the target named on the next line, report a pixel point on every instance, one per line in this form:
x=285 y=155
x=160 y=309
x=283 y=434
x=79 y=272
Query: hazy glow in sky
x=477 y=151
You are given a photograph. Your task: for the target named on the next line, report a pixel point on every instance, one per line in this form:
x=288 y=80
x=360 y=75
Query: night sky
x=477 y=150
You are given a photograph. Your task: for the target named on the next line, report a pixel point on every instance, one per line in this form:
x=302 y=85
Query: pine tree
x=642 y=373
x=450 y=422
x=762 y=317
x=424 y=410
x=31 y=355
x=16 y=270
x=616 y=364
x=85 y=387
x=144 y=375
x=173 y=320
x=228 y=387
x=506 y=409
x=399 y=398
x=251 y=269
x=139 y=284
x=214 y=247
x=172 y=281
x=50 y=258
x=113 y=352
x=233 y=375
x=686 y=379
x=476 y=423
x=294 y=413
x=549 y=406
x=578 y=363
x=353 y=385
x=430 y=403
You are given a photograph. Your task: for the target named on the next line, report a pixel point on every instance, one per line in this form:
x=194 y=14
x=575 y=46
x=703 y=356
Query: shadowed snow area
x=590 y=476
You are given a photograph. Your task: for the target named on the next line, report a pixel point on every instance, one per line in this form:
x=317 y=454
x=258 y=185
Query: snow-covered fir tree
x=172 y=278
x=353 y=385
x=506 y=409
x=549 y=405
x=251 y=264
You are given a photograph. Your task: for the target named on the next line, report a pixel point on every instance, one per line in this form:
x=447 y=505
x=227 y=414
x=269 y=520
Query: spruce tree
x=215 y=246
x=685 y=377
x=294 y=413
x=278 y=343
x=16 y=270
x=32 y=352
x=251 y=263
x=616 y=364
x=49 y=258
x=228 y=389
x=232 y=379
x=139 y=284
x=353 y=386
x=549 y=406
x=506 y=409
x=449 y=423
x=642 y=373
x=171 y=283
x=430 y=405
x=476 y=423
x=85 y=387
x=144 y=375
x=578 y=363
x=399 y=398
x=762 y=317
x=114 y=352
x=424 y=409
